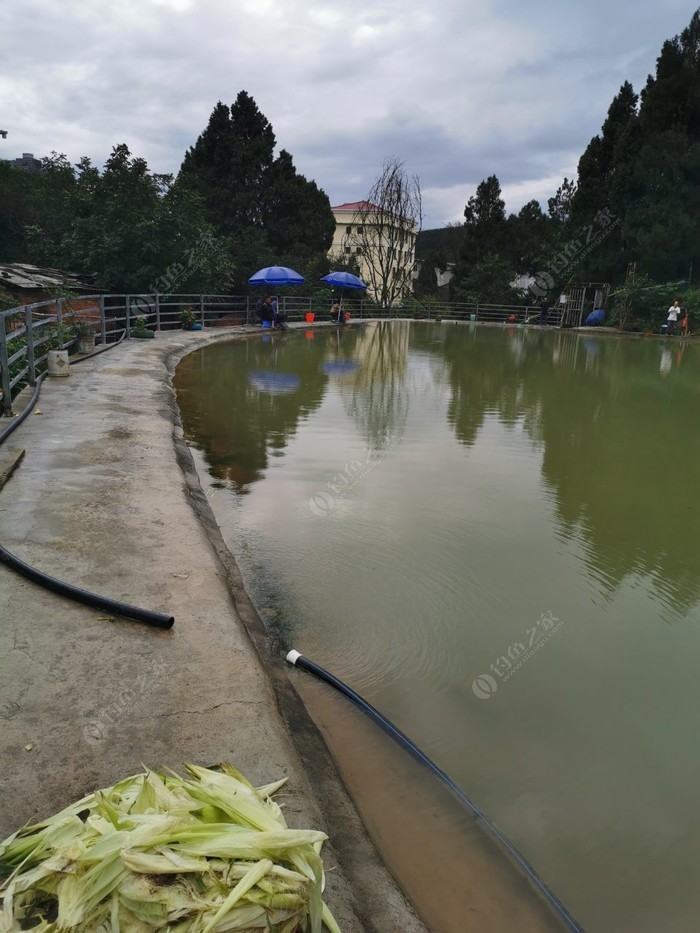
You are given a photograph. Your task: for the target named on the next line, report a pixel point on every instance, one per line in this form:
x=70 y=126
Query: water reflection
x=618 y=444
x=243 y=402
x=274 y=383
x=376 y=396
x=615 y=421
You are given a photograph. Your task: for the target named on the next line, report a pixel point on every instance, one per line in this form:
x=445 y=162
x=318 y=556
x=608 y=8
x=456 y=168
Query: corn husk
x=205 y=854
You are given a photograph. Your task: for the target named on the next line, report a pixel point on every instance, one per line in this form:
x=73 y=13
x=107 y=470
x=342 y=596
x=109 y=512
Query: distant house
x=27 y=163
x=375 y=240
x=443 y=277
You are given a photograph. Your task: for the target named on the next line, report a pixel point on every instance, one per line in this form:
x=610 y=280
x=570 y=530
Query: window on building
x=348 y=230
x=359 y=250
x=348 y=249
x=360 y=228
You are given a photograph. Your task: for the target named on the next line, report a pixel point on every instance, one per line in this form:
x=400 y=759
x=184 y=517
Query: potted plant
x=59 y=337
x=189 y=321
x=139 y=327
x=86 y=338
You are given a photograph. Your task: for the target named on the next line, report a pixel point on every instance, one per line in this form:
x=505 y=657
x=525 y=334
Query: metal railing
x=27 y=333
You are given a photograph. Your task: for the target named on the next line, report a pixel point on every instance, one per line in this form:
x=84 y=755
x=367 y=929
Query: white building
x=383 y=246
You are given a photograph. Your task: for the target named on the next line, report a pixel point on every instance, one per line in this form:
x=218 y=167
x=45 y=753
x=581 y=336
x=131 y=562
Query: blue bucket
x=266 y=323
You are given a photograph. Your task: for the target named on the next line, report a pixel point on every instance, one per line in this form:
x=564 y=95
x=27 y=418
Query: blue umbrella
x=343 y=280
x=276 y=275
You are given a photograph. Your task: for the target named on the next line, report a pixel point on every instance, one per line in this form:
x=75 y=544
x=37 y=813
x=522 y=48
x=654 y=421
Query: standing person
x=672 y=318
x=544 y=313
x=684 y=322
x=274 y=308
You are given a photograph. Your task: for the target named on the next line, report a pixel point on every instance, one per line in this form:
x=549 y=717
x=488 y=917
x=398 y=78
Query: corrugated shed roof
x=23 y=275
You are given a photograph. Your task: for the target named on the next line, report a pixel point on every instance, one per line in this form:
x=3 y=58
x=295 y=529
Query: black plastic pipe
x=94 y=600
x=15 y=423
x=112 y=606
x=107 y=346
x=298 y=659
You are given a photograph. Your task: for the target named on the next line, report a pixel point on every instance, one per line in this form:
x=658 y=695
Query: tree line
x=233 y=207
x=631 y=218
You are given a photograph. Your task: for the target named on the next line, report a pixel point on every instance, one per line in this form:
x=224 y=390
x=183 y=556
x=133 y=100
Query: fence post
x=476 y=310
x=201 y=310
x=127 y=315
x=247 y=310
x=30 y=344
x=4 y=369
x=103 y=321
x=59 y=310
x=157 y=312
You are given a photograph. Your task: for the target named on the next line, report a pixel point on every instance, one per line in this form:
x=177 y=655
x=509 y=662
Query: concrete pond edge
x=378 y=898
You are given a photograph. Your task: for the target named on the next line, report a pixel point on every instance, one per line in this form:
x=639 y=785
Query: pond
x=490 y=533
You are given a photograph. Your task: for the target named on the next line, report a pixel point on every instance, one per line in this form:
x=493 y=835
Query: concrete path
x=107 y=498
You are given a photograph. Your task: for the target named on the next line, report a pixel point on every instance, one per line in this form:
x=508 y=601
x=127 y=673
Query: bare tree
x=384 y=231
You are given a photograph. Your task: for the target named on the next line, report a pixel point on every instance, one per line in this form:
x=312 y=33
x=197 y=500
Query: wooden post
x=201 y=310
x=127 y=315
x=157 y=311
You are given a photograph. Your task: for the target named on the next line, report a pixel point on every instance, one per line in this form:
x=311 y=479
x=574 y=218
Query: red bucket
x=309 y=317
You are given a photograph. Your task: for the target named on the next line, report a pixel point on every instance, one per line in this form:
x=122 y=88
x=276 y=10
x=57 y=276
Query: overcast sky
x=457 y=89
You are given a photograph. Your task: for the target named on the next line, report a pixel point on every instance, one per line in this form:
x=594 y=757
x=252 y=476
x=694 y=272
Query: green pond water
x=492 y=534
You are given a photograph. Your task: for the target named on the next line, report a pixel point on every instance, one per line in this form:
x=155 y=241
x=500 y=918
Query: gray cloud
x=457 y=90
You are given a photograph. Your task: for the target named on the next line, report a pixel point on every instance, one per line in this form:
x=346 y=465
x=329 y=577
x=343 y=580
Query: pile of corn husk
x=160 y=852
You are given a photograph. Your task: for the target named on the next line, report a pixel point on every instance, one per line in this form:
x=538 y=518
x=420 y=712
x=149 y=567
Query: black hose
x=294 y=657
x=158 y=619
x=15 y=423
x=107 y=346
x=113 y=606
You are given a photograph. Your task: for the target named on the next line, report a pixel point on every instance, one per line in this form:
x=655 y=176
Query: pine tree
x=229 y=164
x=297 y=215
x=484 y=270
x=528 y=238
x=662 y=222
x=268 y=211
x=599 y=190
x=484 y=222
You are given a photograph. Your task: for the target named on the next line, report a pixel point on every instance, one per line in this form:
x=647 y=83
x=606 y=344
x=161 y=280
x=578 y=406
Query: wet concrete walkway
x=106 y=498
